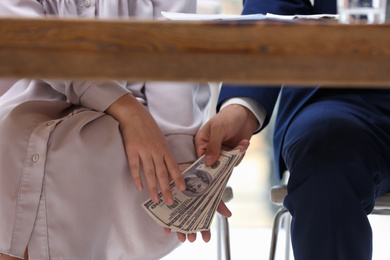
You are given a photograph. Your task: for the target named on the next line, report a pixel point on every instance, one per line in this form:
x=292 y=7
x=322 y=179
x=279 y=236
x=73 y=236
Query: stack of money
x=193 y=209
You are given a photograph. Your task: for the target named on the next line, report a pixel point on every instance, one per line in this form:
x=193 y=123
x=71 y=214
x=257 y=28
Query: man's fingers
x=223 y=210
x=242 y=145
x=206 y=235
x=214 y=146
x=202 y=139
x=182 y=237
x=191 y=237
x=167 y=231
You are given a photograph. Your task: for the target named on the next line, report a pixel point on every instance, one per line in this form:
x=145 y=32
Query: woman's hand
x=146 y=148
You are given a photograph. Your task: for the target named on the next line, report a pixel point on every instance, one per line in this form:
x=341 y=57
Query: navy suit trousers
x=337 y=149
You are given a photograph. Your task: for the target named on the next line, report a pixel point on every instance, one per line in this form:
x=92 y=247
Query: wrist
x=251 y=120
x=123 y=107
x=247 y=118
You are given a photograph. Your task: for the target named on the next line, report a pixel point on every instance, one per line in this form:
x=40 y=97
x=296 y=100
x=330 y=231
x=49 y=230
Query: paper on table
x=230 y=17
x=299 y=16
x=209 y=17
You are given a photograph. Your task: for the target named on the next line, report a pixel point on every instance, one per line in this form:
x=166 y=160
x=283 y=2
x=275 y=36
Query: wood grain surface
x=249 y=52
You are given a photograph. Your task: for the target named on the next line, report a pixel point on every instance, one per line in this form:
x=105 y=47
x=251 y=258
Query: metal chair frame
x=223 y=233
x=277 y=194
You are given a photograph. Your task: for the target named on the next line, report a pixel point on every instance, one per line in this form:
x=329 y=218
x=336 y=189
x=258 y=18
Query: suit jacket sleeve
x=264 y=95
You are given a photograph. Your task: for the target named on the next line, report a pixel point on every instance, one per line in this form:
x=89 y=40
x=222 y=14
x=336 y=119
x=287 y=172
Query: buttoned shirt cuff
x=100 y=95
x=255 y=107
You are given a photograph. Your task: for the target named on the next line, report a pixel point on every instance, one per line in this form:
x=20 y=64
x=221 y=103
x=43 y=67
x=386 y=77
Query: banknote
x=193 y=209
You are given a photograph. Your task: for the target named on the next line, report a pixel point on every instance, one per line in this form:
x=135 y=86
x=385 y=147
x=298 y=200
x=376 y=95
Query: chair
x=223 y=235
x=277 y=194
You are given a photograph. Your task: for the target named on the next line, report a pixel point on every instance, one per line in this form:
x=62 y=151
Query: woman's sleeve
x=174 y=107
x=95 y=95
x=22 y=8
x=174 y=104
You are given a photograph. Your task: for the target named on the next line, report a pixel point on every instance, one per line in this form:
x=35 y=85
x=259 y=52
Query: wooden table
x=250 y=52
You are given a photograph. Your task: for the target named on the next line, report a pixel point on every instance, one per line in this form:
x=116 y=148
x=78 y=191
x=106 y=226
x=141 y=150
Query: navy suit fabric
x=292 y=99
x=337 y=151
x=335 y=144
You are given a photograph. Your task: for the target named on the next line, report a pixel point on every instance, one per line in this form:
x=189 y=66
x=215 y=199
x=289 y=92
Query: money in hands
x=194 y=208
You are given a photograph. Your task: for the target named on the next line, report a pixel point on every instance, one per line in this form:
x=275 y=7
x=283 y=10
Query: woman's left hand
x=146 y=149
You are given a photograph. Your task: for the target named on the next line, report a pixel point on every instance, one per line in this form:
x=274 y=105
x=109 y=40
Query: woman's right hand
x=146 y=148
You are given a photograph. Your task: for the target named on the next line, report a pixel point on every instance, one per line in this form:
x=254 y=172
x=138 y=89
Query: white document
x=210 y=17
x=302 y=17
x=231 y=17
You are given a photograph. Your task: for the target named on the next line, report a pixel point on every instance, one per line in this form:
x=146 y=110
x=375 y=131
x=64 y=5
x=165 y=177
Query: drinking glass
x=362 y=11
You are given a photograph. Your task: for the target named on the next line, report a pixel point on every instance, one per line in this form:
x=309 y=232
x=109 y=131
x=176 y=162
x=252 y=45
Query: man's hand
x=230 y=129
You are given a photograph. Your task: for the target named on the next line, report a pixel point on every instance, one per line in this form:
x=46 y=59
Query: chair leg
x=275 y=231
x=223 y=237
x=287 y=225
x=219 y=237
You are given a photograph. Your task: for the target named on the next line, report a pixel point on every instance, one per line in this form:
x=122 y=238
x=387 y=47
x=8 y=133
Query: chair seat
x=227 y=194
x=277 y=195
x=383 y=202
x=278 y=192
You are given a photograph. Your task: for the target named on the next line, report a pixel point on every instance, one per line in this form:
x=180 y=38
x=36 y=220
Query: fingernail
x=170 y=200
x=139 y=187
x=155 y=199
x=208 y=159
x=182 y=187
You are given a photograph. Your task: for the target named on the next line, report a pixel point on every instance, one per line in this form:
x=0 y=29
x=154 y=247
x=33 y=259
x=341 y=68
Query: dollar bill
x=193 y=209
